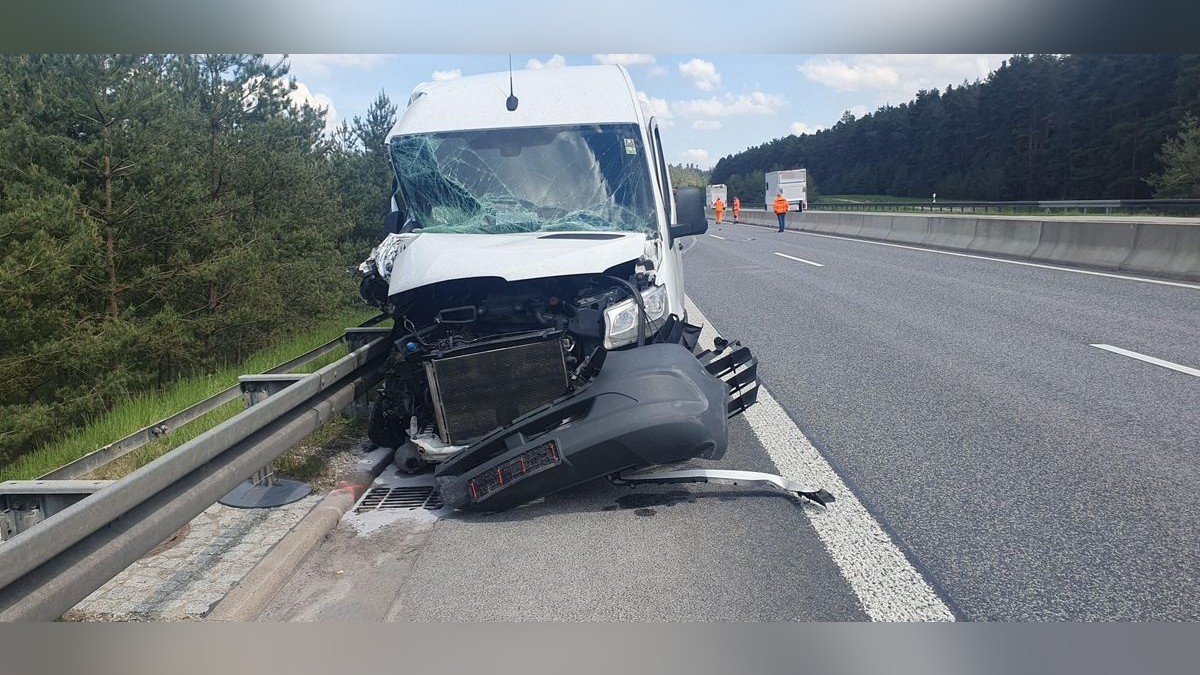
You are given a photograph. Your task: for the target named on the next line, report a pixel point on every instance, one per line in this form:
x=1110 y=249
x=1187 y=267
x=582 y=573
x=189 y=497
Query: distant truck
x=712 y=192
x=793 y=182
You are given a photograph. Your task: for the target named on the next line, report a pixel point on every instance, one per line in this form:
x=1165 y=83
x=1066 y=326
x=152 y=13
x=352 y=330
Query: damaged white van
x=532 y=267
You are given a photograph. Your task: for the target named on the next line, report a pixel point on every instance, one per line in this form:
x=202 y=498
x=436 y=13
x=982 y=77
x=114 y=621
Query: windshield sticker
x=630 y=148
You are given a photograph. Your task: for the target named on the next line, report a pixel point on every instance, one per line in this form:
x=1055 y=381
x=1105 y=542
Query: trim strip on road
x=806 y=262
x=1149 y=359
x=1010 y=262
x=885 y=581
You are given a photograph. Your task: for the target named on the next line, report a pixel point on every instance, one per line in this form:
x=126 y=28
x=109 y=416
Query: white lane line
x=714 y=236
x=1149 y=359
x=887 y=585
x=792 y=257
x=1010 y=262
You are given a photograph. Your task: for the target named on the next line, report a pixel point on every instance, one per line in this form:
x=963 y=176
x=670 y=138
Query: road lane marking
x=792 y=257
x=1160 y=282
x=714 y=236
x=885 y=582
x=1149 y=359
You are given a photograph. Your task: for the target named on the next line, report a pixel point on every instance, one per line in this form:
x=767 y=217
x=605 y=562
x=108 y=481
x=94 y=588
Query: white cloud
x=799 y=128
x=657 y=108
x=706 y=125
x=696 y=155
x=844 y=76
x=302 y=95
x=658 y=71
x=320 y=65
x=859 y=110
x=754 y=103
x=443 y=75
x=894 y=78
x=624 y=59
x=703 y=74
x=556 y=61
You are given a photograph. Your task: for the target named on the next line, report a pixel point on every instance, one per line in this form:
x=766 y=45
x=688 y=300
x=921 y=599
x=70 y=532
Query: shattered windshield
x=539 y=179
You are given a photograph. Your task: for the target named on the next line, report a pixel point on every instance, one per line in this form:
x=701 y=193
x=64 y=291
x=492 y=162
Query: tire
x=385 y=430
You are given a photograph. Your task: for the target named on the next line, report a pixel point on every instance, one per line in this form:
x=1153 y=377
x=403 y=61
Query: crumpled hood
x=410 y=261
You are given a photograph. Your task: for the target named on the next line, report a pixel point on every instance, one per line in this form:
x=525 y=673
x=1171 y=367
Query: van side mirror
x=689 y=211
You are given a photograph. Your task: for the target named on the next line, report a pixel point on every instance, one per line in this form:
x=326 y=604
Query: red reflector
x=526 y=464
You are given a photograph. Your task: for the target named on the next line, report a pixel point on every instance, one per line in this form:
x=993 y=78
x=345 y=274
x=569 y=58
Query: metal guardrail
x=101 y=456
x=1174 y=207
x=1178 y=207
x=46 y=570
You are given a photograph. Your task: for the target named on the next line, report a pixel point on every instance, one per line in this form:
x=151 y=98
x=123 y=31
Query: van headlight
x=621 y=319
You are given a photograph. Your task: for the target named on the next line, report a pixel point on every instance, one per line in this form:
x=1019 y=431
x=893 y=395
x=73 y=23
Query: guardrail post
x=263 y=489
x=25 y=503
x=355 y=339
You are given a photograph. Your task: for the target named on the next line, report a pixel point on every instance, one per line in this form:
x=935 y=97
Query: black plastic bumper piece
x=652 y=405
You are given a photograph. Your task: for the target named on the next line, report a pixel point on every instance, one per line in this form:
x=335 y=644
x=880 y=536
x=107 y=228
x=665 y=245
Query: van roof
x=548 y=97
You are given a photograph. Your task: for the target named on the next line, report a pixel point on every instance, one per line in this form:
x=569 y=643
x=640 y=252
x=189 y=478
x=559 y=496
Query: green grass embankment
x=145 y=409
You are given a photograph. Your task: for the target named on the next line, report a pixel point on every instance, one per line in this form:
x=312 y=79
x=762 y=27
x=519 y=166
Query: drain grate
x=409 y=497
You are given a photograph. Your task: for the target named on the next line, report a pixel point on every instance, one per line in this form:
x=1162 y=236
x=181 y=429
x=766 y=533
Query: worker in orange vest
x=720 y=208
x=737 y=206
x=780 y=207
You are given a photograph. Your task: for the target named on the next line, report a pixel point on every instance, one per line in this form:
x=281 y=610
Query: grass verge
x=142 y=410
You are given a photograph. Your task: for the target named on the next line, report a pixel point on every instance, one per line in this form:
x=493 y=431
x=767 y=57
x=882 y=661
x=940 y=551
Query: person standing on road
x=737 y=207
x=780 y=207
x=719 y=207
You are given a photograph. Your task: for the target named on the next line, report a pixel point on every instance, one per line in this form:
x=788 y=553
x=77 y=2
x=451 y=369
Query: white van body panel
x=548 y=97
x=428 y=258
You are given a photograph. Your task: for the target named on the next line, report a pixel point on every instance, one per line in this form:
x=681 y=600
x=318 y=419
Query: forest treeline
x=1087 y=126
x=161 y=216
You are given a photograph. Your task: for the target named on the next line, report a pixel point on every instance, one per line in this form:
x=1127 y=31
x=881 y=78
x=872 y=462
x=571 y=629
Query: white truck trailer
x=793 y=182
x=712 y=192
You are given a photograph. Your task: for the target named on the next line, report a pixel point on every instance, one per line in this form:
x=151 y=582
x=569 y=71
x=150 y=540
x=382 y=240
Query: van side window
x=664 y=180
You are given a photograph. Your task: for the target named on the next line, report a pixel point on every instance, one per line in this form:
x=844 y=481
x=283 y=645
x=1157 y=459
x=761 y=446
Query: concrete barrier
x=876 y=226
x=1165 y=248
x=950 y=232
x=909 y=229
x=820 y=222
x=1006 y=236
x=1103 y=244
x=845 y=223
x=1171 y=249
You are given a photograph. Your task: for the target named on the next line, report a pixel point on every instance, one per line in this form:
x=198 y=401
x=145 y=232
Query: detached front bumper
x=652 y=405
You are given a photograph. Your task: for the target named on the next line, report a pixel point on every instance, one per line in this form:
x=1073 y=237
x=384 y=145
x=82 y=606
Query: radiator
x=477 y=392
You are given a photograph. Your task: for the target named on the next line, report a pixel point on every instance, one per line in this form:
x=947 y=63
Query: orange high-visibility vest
x=781 y=204
x=737 y=203
x=720 y=205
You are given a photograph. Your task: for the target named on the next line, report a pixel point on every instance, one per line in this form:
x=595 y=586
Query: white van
x=533 y=271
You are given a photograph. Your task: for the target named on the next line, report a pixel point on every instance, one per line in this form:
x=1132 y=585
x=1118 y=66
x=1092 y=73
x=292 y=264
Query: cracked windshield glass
x=540 y=179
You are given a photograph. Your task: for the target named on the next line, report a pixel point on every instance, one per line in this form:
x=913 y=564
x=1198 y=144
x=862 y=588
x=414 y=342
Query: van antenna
x=511 y=103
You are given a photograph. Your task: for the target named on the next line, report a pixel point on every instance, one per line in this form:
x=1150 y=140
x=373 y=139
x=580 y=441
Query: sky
x=708 y=106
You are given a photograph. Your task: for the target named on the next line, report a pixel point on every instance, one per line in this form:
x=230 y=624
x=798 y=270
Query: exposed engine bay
x=471 y=355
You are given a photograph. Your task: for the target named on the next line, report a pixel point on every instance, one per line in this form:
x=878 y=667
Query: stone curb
x=250 y=596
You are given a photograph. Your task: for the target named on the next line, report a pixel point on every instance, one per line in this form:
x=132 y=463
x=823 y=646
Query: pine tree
x=1180 y=158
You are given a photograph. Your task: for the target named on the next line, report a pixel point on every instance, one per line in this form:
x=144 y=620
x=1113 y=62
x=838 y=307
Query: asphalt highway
x=990 y=463
x=1028 y=474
